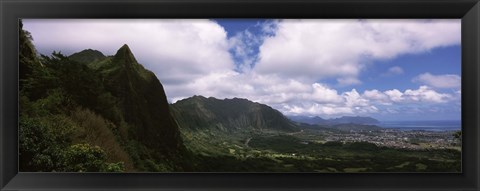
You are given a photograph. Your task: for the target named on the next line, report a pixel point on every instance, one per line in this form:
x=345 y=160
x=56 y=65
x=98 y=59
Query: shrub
x=115 y=167
x=84 y=158
x=96 y=130
x=39 y=148
x=53 y=103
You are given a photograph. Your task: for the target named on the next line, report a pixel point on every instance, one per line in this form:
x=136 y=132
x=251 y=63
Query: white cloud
x=287 y=95
x=439 y=81
x=393 y=71
x=353 y=99
x=377 y=96
x=395 y=95
x=269 y=27
x=243 y=45
x=348 y=81
x=341 y=49
x=315 y=109
x=426 y=94
x=175 y=50
x=191 y=57
x=323 y=94
x=423 y=94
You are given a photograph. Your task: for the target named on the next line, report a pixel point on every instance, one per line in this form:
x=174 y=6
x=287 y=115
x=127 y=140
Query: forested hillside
x=232 y=115
x=89 y=112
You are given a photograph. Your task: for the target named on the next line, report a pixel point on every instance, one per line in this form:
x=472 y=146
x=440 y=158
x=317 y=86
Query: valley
x=322 y=151
x=89 y=112
x=233 y=135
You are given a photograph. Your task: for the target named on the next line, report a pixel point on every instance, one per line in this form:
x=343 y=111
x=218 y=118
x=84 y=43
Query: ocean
x=440 y=125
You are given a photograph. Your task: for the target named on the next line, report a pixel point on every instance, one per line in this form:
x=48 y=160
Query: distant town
x=416 y=139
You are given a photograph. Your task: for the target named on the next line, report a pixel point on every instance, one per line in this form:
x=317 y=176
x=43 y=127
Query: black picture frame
x=12 y=10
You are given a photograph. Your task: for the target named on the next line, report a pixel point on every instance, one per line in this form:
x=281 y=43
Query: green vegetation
x=85 y=117
x=94 y=113
x=277 y=152
x=87 y=56
x=44 y=147
x=458 y=135
x=223 y=136
x=234 y=114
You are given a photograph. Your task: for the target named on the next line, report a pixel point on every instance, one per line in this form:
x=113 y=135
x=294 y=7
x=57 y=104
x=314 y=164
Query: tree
x=27 y=53
x=39 y=147
x=84 y=158
x=458 y=135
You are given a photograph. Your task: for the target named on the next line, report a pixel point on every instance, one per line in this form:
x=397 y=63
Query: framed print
x=347 y=95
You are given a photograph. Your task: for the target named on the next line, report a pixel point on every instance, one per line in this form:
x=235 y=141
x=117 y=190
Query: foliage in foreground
x=45 y=147
x=71 y=121
x=100 y=116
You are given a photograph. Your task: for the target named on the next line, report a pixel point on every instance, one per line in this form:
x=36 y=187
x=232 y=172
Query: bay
x=431 y=125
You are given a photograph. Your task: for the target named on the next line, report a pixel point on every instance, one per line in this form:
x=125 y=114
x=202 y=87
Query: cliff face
x=142 y=101
x=229 y=115
x=109 y=108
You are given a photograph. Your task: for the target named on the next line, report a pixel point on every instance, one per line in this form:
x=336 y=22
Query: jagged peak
x=125 y=48
x=124 y=54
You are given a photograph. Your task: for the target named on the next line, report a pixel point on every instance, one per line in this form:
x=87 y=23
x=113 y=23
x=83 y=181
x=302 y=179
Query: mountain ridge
x=229 y=115
x=316 y=120
x=87 y=56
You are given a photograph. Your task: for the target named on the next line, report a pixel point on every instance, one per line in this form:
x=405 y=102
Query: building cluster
x=399 y=139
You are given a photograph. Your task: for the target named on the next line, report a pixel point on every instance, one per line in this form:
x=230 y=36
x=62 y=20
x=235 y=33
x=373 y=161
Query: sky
x=386 y=69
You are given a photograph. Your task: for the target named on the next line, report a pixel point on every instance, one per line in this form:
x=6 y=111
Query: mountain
x=198 y=112
x=110 y=109
x=356 y=120
x=355 y=127
x=87 y=56
x=309 y=120
x=142 y=101
x=342 y=120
